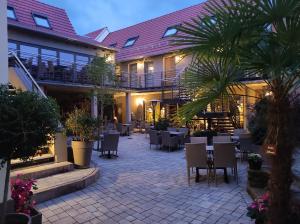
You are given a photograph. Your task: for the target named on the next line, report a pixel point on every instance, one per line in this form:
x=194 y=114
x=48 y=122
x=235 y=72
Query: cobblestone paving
x=150 y=186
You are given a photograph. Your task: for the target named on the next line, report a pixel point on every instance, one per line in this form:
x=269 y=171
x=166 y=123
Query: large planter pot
x=254 y=165
x=17 y=218
x=36 y=217
x=82 y=152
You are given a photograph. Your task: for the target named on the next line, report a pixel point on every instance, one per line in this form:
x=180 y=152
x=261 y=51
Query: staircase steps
x=37 y=160
x=56 y=179
x=41 y=171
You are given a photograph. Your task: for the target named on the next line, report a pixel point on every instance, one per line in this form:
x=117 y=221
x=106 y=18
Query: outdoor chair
x=171 y=129
x=147 y=129
x=196 y=157
x=110 y=144
x=224 y=157
x=245 y=146
x=199 y=140
x=217 y=139
x=155 y=138
x=169 y=141
x=122 y=129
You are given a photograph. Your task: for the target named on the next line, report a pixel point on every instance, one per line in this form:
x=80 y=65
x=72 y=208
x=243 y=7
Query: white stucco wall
x=3 y=71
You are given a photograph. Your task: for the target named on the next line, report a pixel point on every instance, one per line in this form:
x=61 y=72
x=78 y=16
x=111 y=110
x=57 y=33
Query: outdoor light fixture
x=139 y=101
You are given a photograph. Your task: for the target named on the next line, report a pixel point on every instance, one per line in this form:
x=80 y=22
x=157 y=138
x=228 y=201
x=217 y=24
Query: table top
x=176 y=133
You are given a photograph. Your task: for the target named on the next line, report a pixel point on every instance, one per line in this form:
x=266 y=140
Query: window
x=12 y=46
x=81 y=62
x=48 y=57
x=66 y=59
x=29 y=54
x=130 y=42
x=113 y=45
x=11 y=13
x=41 y=21
x=170 y=31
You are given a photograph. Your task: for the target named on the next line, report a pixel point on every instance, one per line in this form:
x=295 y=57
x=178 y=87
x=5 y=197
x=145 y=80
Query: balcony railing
x=51 y=69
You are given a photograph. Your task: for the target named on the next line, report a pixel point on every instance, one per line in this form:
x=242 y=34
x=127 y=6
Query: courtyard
x=150 y=186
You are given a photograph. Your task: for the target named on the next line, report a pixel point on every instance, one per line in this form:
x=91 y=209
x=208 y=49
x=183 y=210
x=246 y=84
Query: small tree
x=102 y=75
x=27 y=120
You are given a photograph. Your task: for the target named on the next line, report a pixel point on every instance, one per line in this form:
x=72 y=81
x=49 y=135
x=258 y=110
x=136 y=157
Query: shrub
x=81 y=124
x=162 y=124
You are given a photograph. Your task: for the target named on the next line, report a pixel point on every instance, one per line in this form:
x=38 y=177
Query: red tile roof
x=61 y=26
x=150 y=33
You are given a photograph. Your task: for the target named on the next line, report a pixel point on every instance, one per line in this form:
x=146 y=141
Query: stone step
x=64 y=183
x=44 y=158
x=45 y=170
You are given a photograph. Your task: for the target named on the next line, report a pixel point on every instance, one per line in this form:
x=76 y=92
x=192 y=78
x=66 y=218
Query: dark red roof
x=150 y=33
x=61 y=26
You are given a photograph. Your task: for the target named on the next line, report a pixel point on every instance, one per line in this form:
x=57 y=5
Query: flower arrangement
x=255 y=161
x=259 y=208
x=21 y=193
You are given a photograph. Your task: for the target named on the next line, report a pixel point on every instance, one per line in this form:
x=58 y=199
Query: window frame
x=34 y=15
x=14 y=12
x=114 y=45
x=134 y=39
x=168 y=29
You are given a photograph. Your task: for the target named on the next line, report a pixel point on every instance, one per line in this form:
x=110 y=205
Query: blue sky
x=89 y=15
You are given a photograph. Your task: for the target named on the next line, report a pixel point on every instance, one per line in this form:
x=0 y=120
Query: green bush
x=26 y=122
x=205 y=133
x=162 y=124
x=81 y=124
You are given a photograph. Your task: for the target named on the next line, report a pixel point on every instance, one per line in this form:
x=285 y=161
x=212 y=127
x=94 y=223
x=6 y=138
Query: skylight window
x=130 y=42
x=41 y=21
x=170 y=31
x=11 y=13
x=113 y=45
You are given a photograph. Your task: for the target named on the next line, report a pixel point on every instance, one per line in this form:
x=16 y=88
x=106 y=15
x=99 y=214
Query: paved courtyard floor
x=150 y=186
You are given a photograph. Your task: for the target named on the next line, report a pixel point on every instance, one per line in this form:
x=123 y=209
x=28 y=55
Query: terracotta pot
x=17 y=218
x=82 y=152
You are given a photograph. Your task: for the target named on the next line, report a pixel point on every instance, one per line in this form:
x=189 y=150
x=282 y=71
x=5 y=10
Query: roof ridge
x=165 y=15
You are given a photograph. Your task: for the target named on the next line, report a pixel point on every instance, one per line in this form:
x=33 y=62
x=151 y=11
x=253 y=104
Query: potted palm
x=83 y=127
x=27 y=121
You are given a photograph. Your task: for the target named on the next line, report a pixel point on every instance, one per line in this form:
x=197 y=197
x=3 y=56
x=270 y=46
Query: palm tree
x=240 y=39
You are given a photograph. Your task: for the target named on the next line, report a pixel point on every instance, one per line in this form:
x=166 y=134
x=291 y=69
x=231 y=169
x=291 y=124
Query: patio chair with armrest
x=222 y=138
x=155 y=138
x=196 y=157
x=199 y=140
x=110 y=144
x=224 y=157
x=169 y=141
x=245 y=146
x=171 y=129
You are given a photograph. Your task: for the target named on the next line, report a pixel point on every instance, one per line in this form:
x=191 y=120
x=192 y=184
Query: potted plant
x=255 y=161
x=27 y=121
x=21 y=193
x=83 y=127
x=259 y=208
x=162 y=124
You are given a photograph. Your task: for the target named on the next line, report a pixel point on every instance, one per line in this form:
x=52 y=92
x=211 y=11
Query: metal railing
x=52 y=69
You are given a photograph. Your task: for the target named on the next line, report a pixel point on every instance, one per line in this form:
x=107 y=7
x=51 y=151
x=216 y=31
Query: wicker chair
x=221 y=139
x=110 y=144
x=155 y=138
x=199 y=140
x=168 y=141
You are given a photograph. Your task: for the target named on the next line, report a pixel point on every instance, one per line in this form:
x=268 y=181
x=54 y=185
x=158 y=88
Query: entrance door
x=170 y=69
x=133 y=74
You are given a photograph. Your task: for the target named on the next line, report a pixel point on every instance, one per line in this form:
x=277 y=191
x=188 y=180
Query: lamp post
x=154 y=103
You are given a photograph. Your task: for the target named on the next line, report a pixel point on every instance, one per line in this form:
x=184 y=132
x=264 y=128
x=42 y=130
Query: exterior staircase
x=223 y=123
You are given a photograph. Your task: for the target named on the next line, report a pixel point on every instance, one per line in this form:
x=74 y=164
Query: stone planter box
x=258 y=178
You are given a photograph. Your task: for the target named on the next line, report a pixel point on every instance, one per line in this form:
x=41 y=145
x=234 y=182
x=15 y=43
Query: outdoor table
x=177 y=133
x=235 y=138
x=210 y=150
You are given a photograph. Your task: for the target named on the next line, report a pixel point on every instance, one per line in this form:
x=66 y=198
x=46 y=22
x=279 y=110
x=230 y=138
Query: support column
x=246 y=102
x=128 y=107
x=3 y=73
x=94 y=106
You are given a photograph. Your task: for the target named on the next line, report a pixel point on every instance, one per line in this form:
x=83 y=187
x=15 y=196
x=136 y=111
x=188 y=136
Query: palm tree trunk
x=281 y=135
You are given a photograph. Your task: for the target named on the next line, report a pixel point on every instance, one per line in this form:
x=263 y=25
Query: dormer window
x=11 y=14
x=113 y=45
x=130 y=42
x=41 y=21
x=171 y=31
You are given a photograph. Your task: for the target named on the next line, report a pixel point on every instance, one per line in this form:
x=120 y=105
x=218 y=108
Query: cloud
x=89 y=15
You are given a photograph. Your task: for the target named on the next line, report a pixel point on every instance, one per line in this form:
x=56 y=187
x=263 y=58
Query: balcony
x=52 y=70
